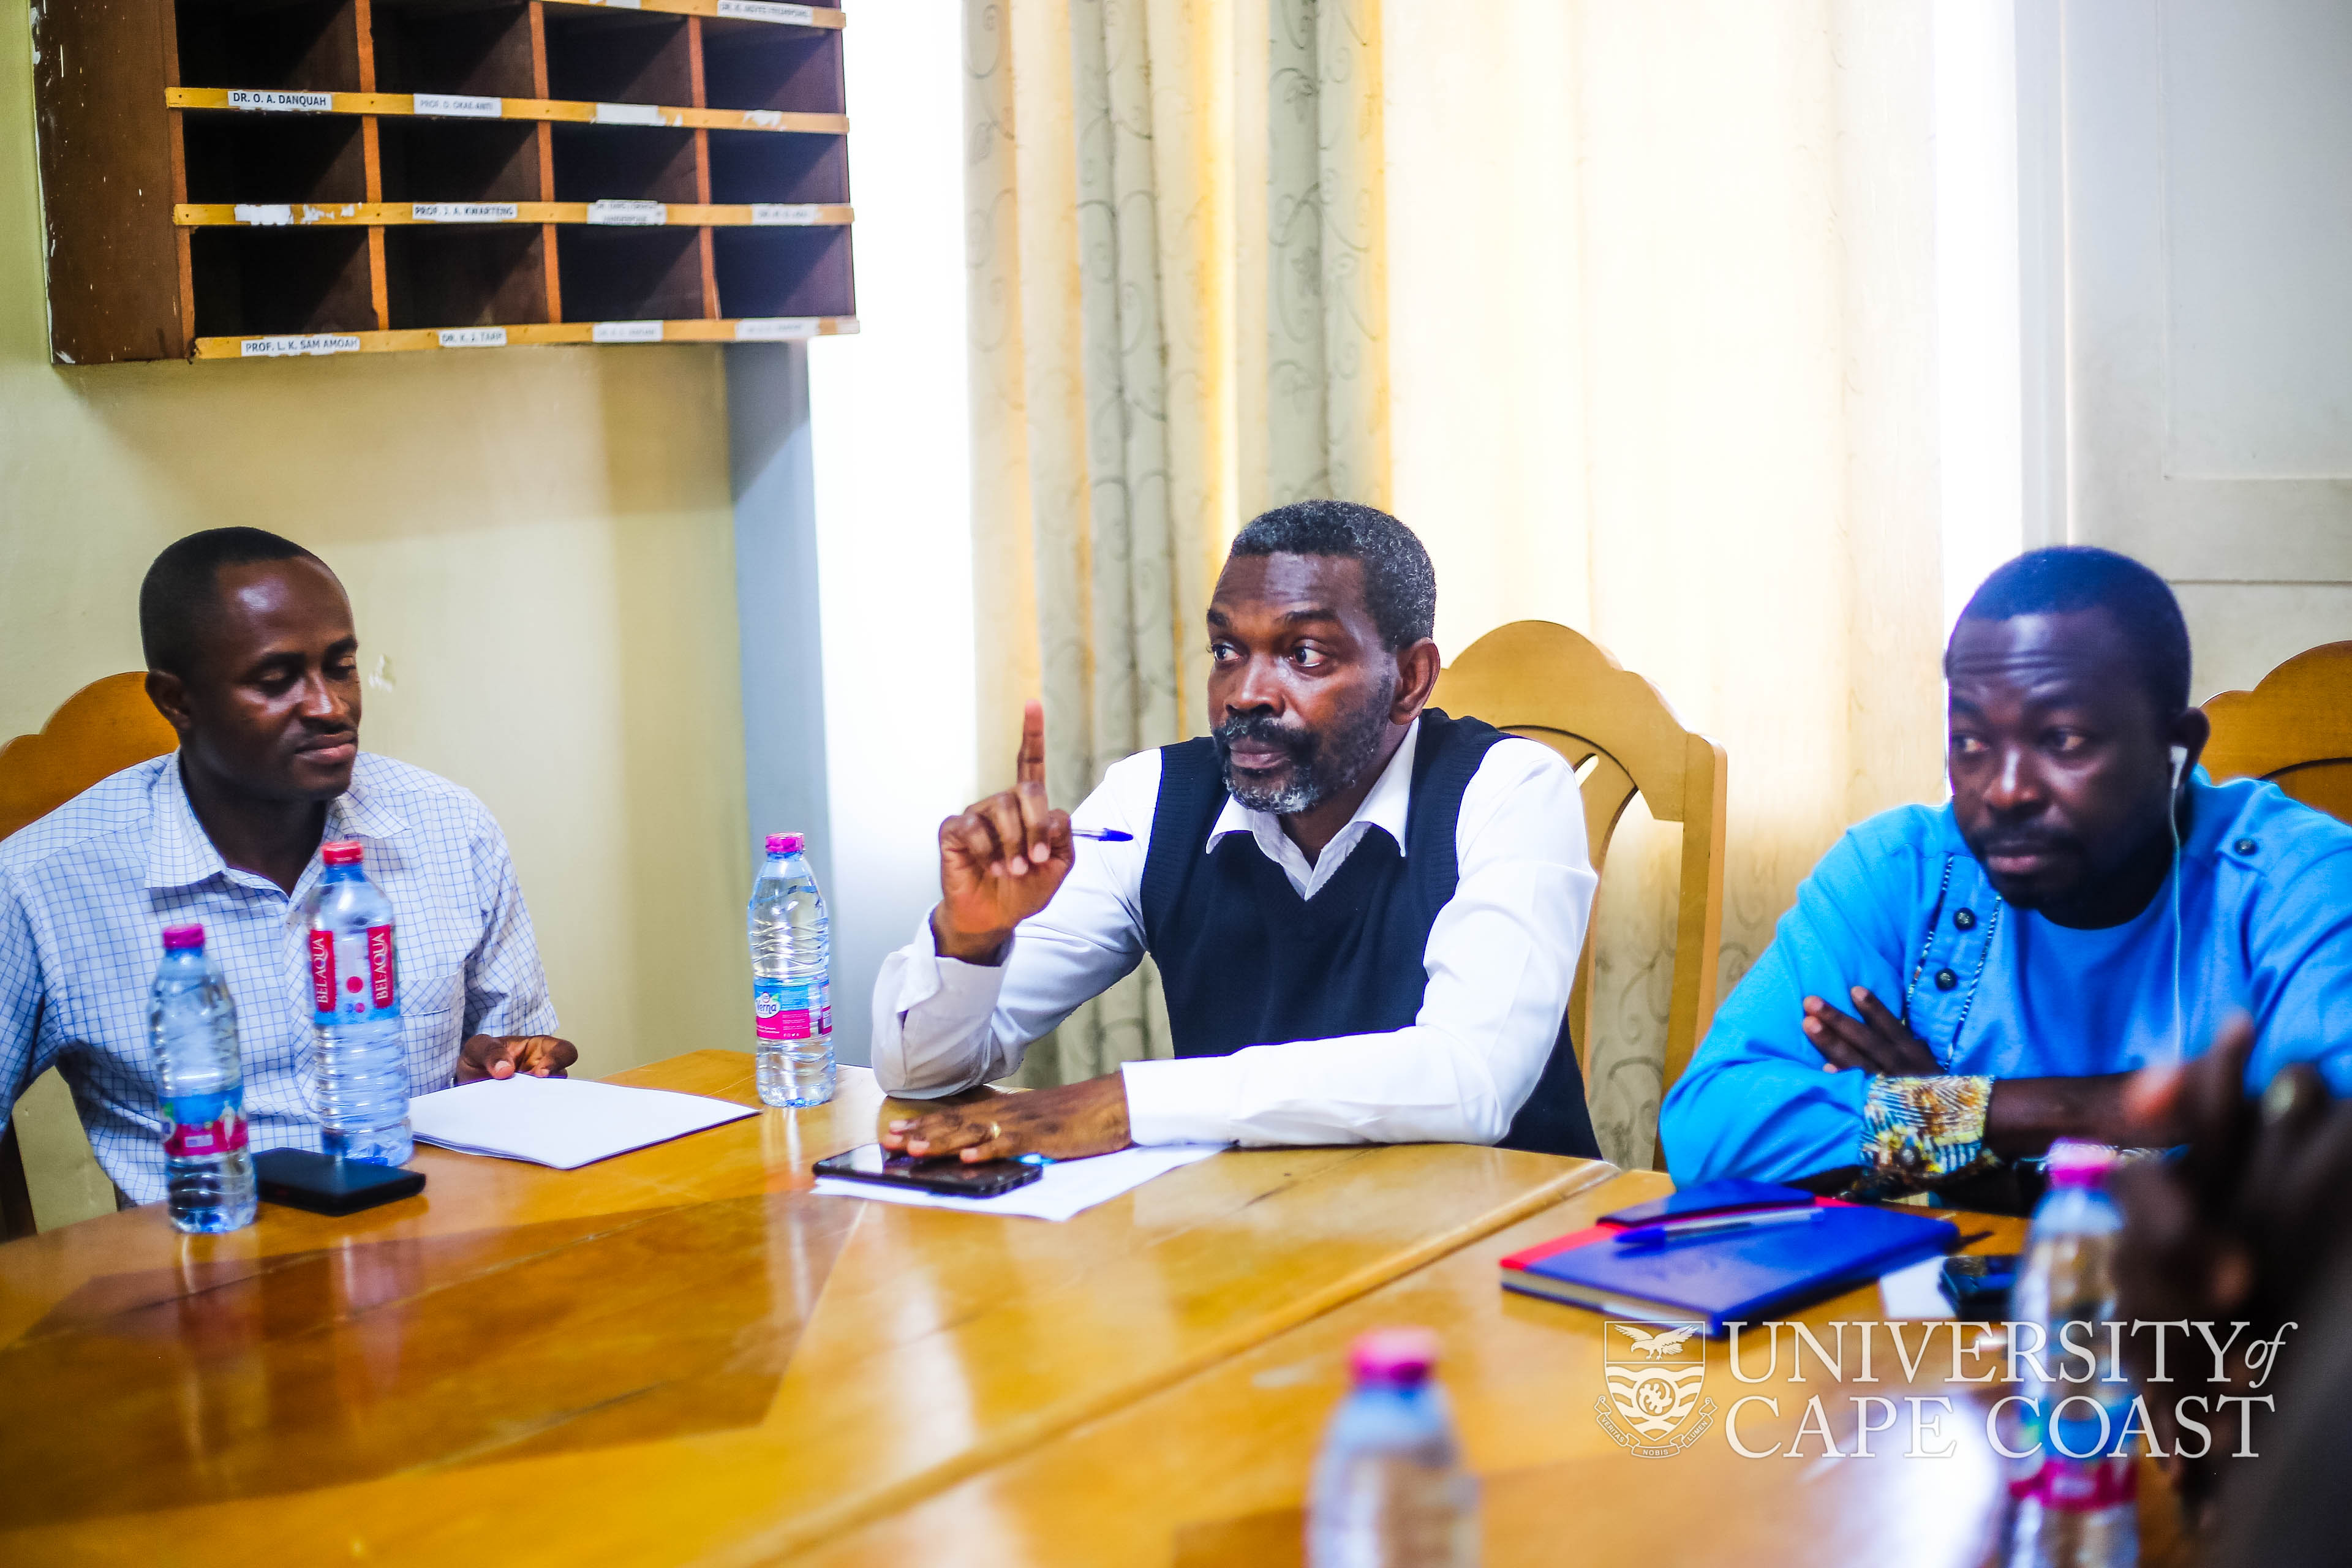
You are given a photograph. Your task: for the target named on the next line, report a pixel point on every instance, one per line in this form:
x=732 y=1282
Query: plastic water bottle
x=361 y=1085
x=207 y=1170
x=2077 y=1493
x=1389 y=1490
x=792 y=1001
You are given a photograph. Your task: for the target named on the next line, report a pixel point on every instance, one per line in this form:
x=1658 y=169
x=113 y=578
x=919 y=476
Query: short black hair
x=2070 y=577
x=179 y=596
x=1400 y=584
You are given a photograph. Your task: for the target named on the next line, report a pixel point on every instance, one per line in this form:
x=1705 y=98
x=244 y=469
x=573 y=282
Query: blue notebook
x=1737 y=1276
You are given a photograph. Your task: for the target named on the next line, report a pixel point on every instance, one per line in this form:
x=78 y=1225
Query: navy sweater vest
x=1244 y=960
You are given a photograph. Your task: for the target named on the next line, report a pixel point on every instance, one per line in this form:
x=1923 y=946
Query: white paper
x=629 y=115
x=626 y=333
x=472 y=337
x=628 y=214
x=775 y=328
x=1067 y=1187
x=281 y=103
x=265 y=214
x=767 y=11
x=791 y=214
x=310 y=343
x=456 y=106
x=463 y=211
x=565 y=1122
x=1916 y=1292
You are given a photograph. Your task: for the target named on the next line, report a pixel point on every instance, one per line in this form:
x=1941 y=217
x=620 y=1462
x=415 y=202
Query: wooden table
x=681 y=1355
x=1213 y=1470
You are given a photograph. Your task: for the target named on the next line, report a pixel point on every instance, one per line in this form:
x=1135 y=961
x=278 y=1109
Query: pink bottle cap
x=2074 y=1163
x=1393 y=1358
x=343 y=852
x=785 y=843
x=176 y=938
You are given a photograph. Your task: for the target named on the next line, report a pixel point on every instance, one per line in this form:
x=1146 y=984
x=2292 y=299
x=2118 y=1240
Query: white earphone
x=2172 y=819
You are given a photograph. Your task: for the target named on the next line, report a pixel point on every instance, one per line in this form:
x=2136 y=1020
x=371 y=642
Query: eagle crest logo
x=1656 y=1374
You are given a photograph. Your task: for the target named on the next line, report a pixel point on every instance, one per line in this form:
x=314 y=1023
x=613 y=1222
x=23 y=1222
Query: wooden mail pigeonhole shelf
x=234 y=178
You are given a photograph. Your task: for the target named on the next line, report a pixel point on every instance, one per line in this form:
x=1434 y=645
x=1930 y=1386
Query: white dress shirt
x=1500 y=960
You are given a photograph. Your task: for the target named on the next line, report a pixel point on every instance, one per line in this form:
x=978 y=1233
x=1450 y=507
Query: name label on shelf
x=454 y=107
x=281 y=102
x=472 y=337
x=629 y=115
x=627 y=332
x=265 y=215
x=309 y=343
x=629 y=215
x=794 y=216
x=463 y=211
x=767 y=11
x=616 y=5
x=775 y=328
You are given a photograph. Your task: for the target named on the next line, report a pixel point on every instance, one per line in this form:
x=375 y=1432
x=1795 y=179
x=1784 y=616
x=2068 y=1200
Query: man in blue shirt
x=1957 y=987
x=252 y=657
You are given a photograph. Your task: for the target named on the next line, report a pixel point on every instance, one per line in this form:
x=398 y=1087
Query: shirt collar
x=1384 y=807
x=180 y=853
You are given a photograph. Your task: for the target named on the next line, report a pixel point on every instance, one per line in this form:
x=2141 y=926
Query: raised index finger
x=1030 y=766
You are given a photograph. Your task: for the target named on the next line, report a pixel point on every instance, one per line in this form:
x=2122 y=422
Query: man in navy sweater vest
x=1365 y=914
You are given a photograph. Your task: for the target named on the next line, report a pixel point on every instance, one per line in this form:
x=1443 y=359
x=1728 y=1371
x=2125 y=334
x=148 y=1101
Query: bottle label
x=2080 y=1486
x=204 y=1124
x=791 y=1009
x=354 y=977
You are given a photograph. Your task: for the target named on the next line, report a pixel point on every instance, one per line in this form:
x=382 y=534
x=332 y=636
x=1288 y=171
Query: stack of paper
x=565 y=1122
x=1067 y=1187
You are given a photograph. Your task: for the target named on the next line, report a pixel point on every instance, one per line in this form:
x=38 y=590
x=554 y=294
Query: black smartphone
x=304 y=1179
x=875 y=1164
x=1978 y=1284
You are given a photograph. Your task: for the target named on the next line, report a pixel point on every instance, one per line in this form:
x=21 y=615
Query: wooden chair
x=2294 y=729
x=1547 y=683
x=104 y=728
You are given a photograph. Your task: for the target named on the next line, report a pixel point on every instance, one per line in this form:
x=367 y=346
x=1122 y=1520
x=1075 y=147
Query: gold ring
x=994 y=1132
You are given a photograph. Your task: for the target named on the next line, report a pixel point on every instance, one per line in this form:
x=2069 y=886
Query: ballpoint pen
x=1713 y=1224
x=1103 y=835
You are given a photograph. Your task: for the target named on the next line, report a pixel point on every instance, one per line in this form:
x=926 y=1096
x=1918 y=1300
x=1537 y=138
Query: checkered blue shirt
x=86 y=892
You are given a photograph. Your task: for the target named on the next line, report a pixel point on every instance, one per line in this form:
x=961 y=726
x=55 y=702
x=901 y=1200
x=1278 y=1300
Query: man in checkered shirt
x=252 y=658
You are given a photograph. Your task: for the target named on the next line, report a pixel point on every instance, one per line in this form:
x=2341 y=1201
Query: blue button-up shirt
x=1899 y=906
x=86 y=892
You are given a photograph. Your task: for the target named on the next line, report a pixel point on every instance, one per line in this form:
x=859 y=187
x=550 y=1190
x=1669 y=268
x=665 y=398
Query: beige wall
x=539 y=546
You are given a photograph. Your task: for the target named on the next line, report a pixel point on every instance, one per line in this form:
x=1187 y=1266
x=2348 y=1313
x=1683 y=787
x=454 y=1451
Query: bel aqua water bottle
x=207 y=1169
x=2075 y=1491
x=361 y=1085
x=792 y=1000
x=1389 y=1490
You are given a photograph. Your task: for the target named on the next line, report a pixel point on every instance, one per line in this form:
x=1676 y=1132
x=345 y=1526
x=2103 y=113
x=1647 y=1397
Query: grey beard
x=1321 y=765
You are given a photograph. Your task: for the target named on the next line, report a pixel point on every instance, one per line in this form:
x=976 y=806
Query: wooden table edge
x=813 y=1530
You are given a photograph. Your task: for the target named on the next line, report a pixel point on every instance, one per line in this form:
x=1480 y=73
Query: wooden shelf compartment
x=764 y=11
x=303 y=46
x=267 y=281
x=368 y=171
x=469 y=276
x=784 y=272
